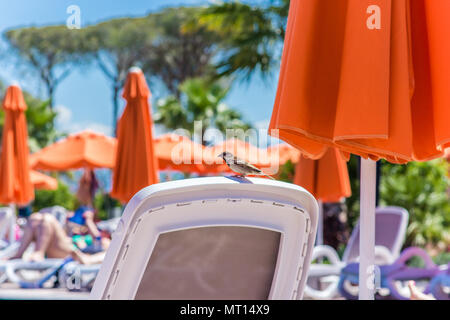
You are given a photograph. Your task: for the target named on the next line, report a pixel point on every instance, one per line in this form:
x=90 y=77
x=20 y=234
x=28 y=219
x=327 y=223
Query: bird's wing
x=248 y=167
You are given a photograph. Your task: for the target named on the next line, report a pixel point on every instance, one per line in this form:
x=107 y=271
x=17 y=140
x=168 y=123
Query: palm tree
x=252 y=34
x=201 y=100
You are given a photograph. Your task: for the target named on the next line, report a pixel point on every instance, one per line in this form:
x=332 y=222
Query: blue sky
x=84 y=98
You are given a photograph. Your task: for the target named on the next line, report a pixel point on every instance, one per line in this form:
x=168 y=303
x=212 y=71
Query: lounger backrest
x=390 y=230
x=213 y=263
x=211 y=238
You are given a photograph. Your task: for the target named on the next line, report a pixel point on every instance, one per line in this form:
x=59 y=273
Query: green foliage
x=352 y=202
x=104 y=204
x=252 y=34
x=202 y=101
x=421 y=188
x=59 y=197
x=40 y=117
x=177 y=53
x=287 y=172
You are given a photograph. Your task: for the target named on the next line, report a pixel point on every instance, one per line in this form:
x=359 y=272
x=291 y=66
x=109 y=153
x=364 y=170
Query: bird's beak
x=219 y=156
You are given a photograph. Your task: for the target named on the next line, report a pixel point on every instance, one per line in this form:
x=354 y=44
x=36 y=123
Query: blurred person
x=416 y=294
x=80 y=237
x=80 y=223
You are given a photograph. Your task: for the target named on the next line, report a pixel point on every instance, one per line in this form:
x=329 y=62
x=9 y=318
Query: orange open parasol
x=284 y=152
x=42 y=181
x=369 y=77
x=179 y=153
x=136 y=165
x=15 y=184
x=86 y=149
x=245 y=151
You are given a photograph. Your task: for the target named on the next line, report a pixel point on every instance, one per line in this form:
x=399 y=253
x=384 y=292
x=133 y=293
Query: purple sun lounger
x=390 y=226
x=390 y=276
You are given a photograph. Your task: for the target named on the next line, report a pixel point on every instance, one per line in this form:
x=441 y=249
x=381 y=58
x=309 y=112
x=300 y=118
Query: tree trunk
x=115 y=107
x=50 y=93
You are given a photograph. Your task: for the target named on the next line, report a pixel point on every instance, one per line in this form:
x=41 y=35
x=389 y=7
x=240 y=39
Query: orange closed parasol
x=15 y=184
x=327 y=178
x=369 y=77
x=136 y=165
x=86 y=149
x=42 y=181
x=379 y=91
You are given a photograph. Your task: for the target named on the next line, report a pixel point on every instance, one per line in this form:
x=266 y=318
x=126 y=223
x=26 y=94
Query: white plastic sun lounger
x=7 y=228
x=211 y=238
x=390 y=224
x=77 y=277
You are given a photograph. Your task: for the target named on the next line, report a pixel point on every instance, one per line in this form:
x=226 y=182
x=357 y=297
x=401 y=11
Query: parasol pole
x=367 y=230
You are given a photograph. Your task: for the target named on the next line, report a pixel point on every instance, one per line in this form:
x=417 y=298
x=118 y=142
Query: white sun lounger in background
x=211 y=238
x=390 y=226
x=8 y=243
x=7 y=226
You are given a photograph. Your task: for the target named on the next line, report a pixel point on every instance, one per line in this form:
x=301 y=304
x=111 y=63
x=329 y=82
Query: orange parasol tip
x=135 y=69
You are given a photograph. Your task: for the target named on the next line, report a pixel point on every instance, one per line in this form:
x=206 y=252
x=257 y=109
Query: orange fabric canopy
x=367 y=76
x=269 y=159
x=243 y=150
x=86 y=149
x=175 y=152
x=327 y=178
x=284 y=152
x=15 y=184
x=136 y=164
x=42 y=181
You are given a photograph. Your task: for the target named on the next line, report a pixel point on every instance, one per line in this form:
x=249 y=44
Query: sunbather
x=80 y=236
x=416 y=294
x=52 y=241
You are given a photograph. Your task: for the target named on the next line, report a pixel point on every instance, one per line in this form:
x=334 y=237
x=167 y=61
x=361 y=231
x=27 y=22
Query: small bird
x=241 y=166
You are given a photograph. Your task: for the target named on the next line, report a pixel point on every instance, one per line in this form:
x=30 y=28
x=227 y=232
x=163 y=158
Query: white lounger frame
x=204 y=202
x=330 y=272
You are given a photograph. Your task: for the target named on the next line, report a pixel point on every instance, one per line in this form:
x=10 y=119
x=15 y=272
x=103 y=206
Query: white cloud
x=64 y=122
x=64 y=116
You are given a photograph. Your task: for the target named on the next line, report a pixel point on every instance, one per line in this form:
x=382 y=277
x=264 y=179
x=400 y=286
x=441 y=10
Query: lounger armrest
x=383 y=255
x=328 y=252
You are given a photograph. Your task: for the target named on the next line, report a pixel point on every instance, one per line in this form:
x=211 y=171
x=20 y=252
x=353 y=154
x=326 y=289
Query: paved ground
x=13 y=292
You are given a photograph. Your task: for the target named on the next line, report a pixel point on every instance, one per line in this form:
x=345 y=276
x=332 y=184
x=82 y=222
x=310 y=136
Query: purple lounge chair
x=390 y=226
x=393 y=275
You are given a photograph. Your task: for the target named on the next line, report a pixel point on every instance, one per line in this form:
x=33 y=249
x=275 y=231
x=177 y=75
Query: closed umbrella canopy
x=373 y=92
x=42 y=181
x=327 y=178
x=86 y=149
x=136 y=165
x=15 y=184
x=369 y=77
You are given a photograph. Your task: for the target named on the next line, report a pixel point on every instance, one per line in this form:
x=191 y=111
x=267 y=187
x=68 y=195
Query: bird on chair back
x=240 y=166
